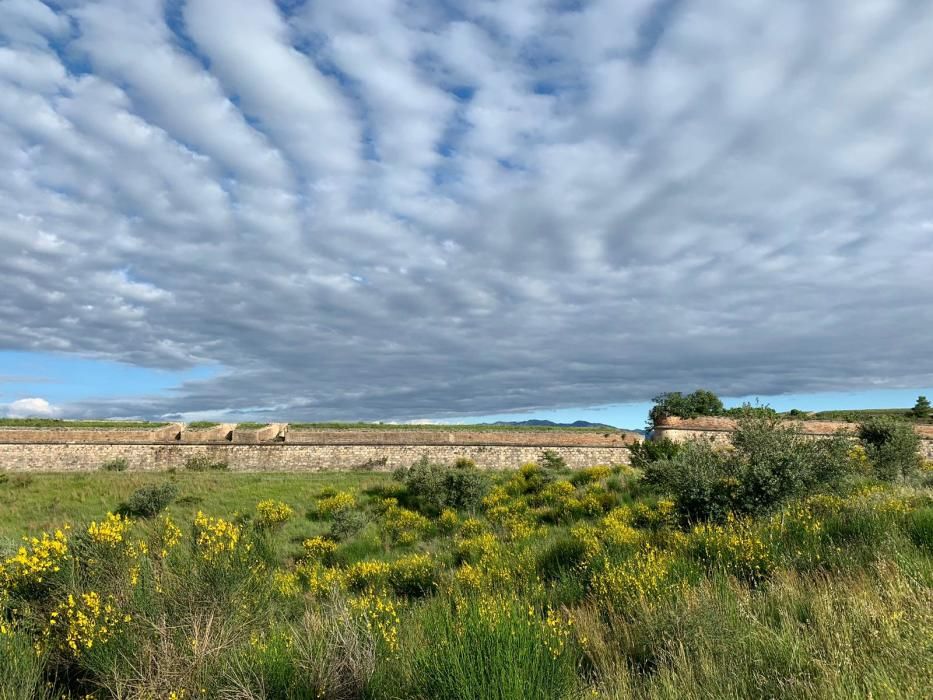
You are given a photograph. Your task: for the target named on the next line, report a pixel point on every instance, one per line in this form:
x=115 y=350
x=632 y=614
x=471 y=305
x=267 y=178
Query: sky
x=421 y=210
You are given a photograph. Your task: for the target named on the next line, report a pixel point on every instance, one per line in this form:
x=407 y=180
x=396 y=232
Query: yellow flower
x=35 y=561
x=110 y=532
x=380 y=616
x=643 y=576
x=271 y=513
x=286 y=583
x=330 y=505
x=403 y=526
x=216 y=537
x=83 y=621
x=318 y=548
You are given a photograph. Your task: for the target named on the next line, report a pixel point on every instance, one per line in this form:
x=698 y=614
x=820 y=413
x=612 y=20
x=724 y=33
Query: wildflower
x=643 y=576
x=328 y=506
x=319 y=548
x=403 y=526
x=215 y=536
x=413 y=575
x=169 y=535
x=35 y=561
x=366 y=574
x=111 y=531
x=319 y=580
x=286 y=583
x=271 y=513
x=733 y=547
x=448 y=520
x=84 y=621
x=380 y=616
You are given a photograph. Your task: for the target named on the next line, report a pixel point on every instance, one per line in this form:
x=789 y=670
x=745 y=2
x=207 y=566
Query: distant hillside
x=535 y=423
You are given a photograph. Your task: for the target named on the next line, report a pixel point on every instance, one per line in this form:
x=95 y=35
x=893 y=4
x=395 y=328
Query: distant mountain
x=535 y=423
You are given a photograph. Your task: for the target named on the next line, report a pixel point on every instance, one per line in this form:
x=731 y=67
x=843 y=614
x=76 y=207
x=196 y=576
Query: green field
x=786 y=567
x=57 y=423
x=31 y=503
x=856 y=415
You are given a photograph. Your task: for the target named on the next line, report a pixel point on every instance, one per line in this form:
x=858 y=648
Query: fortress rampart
x=718 y=428
x=277 y=448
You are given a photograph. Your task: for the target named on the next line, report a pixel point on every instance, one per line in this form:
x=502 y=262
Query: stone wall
x=439 y=436
x=166 y=433
x=279 y=456
x=717 y=429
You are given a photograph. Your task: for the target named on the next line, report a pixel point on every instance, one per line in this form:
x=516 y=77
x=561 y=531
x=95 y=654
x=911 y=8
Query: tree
x=892 y=446
x=700 y=403
x=921 y=409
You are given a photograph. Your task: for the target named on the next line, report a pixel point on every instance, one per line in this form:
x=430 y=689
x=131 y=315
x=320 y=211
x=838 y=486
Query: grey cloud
x=389 y=211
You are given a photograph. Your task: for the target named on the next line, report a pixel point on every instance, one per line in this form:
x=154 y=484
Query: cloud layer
x=403 y=208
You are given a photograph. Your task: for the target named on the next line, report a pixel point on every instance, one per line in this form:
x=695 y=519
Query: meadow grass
x=31 y=503
x=59 y=423
x=553 y=585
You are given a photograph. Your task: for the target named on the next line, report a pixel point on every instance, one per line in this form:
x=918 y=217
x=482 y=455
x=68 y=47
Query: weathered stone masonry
x=718 y=430
x=60 y=450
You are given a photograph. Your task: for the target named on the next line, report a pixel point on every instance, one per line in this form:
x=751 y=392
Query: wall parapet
x=718 y=428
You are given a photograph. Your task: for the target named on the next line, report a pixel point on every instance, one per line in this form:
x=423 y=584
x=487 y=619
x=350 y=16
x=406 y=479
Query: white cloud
x=31 y=408
x=403 y=209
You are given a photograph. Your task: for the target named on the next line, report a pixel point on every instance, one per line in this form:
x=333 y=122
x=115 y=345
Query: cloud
x=393 y=209
x=31 y=408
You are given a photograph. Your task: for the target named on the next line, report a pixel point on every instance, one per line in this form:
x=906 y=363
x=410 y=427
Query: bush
x=434 y=487
x=346 y=523
x=115 y=465
x=703 y=480
x=780 y=462
x=551 y=461
x=204 y=463
x=892 y=446
x=769 y=464
x=415 y=575
x=149 y=501
x=645 y=453
x=562 y=556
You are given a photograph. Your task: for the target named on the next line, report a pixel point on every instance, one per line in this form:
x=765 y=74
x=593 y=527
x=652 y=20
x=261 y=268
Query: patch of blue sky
x=635 y=415
x=66 y=378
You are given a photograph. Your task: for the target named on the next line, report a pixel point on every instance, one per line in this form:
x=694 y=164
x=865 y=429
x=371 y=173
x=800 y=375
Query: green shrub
x=118 y=464
x=892 y=446
x=415 y=575
x=345 y=524
x=770 y=463
x=703 y=480
x=148 y=501
x=779 y=462
x=204 y=463
x=433 y=487
x=549 y=460
x=646 y=453
x=561 y=556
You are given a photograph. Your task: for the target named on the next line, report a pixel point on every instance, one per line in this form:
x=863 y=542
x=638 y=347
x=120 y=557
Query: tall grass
x=827 y=595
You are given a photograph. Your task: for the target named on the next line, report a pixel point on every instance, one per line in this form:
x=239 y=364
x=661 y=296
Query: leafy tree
x=921 y=409
x=700 y=403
